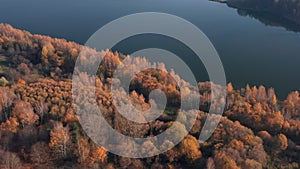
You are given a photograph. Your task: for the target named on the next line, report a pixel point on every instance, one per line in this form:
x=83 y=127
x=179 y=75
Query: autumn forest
x=39 y=127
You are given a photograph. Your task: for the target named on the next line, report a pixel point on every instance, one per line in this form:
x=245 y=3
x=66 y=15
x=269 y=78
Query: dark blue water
x=252 y=53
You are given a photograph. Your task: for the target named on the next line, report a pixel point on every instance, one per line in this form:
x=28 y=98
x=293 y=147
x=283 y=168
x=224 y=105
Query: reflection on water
x=284 y=13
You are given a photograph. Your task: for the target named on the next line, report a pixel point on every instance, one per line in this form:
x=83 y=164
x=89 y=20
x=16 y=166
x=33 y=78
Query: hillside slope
x=39 y=128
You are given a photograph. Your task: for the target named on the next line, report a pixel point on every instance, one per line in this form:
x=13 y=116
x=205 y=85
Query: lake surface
x=251 y=51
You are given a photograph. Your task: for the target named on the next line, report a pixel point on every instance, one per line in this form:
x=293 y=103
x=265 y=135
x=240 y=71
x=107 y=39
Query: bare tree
x=39 y=153
x=210 y=164
x=9 y=160
x=41 y=108
x=6 y=100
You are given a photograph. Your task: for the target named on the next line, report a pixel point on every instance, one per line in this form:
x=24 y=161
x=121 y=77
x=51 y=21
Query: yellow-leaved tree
x=59 y=140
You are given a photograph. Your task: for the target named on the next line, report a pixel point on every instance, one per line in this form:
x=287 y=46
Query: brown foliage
x=39 y=153
x=23 y=111
x=189 y=148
